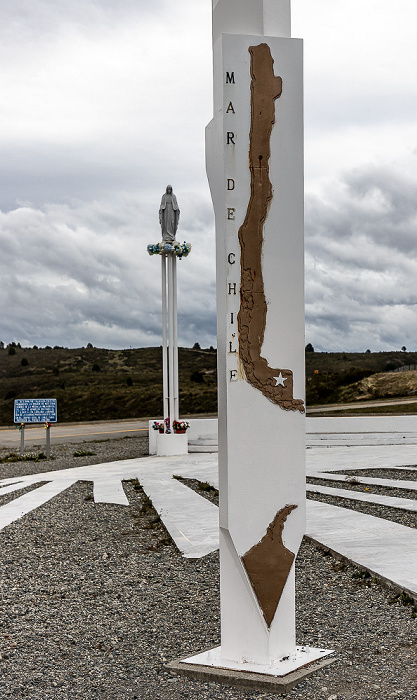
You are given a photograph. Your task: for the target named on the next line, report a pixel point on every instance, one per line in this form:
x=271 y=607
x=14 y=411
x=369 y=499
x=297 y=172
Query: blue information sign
x=35 y=411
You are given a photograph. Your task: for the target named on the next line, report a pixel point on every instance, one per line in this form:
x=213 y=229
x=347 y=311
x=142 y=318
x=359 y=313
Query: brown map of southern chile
x=275 y=383
x=268 y=565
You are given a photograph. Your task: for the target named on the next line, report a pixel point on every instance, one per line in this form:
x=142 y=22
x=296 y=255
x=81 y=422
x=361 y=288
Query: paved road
x=359 y=404
x=73 y=432
x=90 y=431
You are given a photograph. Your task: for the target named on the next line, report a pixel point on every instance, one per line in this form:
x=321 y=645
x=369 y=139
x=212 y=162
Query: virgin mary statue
x=169 y=215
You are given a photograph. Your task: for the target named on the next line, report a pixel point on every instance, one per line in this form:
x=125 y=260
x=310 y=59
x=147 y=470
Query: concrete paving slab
x=30 y=501
x=17 y=486
x=362 y=439
x=109 y=490
x=192 y=521
x=380 y=546
x=207 y=472
x=359 y=457
x=389 y=501
x=362 y=424
x=371 y=480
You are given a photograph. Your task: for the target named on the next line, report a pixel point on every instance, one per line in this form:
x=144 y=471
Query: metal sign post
x=35 y=411
x=22 y=439
x=48 y=440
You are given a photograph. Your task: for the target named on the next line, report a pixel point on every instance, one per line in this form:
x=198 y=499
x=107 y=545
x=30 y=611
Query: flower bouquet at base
x=158 y=426
x=180 y=426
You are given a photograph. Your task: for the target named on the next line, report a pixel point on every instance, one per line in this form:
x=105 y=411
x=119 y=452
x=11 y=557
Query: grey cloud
x=79 y=273
x=96 y=107
x=72 y=275
x=44 y=15
x=46 y=173
x=101 y=108
x=329 y=105
x=361 y=262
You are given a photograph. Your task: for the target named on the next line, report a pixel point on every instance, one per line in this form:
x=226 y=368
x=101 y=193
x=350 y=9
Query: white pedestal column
x=261 y=438
x=255 y=168
x=170 y=443
x=164 y=336
x=171 y=330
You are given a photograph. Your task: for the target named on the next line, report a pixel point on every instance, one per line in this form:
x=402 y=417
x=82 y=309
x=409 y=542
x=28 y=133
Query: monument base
x=279 y=677
x=170 y=444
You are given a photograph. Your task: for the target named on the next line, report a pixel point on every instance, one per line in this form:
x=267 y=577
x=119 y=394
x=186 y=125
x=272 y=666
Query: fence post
x=48 y=441
x=22 y=440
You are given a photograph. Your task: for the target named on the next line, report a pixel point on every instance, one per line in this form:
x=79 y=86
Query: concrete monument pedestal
x=170 y=444
x=277 y=678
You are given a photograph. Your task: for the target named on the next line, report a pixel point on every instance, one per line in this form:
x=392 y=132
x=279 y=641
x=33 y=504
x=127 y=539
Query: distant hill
x=341 y=377
x=381 y=386
x=96 y=384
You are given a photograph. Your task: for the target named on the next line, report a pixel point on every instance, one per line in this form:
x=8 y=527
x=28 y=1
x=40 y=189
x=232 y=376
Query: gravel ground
x=95 y=598
x=396 y=515
x=400 y=474
x=70 y=455
x=351 y=485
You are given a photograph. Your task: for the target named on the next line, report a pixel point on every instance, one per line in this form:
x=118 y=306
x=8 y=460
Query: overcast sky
x=105 y=102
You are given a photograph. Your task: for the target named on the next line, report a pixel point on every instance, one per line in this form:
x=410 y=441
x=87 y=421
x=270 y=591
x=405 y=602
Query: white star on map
x=280 y=380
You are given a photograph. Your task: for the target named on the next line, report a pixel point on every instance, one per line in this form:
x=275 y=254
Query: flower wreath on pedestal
x=181 y=250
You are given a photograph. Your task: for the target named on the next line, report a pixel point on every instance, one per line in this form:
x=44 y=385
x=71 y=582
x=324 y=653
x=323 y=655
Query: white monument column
x=254 y=153
x=165 y=389
x=173 y=439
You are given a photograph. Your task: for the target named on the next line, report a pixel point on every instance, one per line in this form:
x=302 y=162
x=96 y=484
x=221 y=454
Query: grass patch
x=135 y=483
x=406 y=600
x=148 y=519
x=13 y=457
x=147 y=506
x=204 y=486
x=84 y=453
x=362 y=575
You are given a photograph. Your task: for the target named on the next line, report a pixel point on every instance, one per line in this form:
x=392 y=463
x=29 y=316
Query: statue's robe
x=169 y=215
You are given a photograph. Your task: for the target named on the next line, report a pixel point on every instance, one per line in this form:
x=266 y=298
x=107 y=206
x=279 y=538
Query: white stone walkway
x=369 y=480
x=383 y=547
x=29 y=501
x=191 y=520
x=360 y=457
x=389 y=501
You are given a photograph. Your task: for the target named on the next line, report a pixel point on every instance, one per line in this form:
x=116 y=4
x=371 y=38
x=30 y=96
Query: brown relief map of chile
x=268 y=565
x=275 y=384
